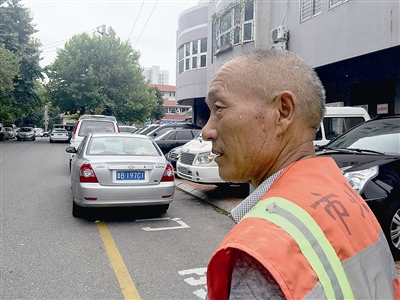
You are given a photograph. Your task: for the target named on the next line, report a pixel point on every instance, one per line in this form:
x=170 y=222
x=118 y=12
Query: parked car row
x=130 y=169
x=367 y=151
x=10 y=131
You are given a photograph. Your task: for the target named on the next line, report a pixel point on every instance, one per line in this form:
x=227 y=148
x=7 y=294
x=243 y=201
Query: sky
x=149 y=25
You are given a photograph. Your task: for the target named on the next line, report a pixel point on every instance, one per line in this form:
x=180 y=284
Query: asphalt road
x=118 y=254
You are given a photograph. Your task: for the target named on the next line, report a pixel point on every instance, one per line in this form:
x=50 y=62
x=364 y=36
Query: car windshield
x=382 y=135
x=122 y=145
x=26 y=129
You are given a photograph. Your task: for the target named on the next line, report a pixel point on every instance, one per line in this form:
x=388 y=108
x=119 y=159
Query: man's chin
x=227 y=177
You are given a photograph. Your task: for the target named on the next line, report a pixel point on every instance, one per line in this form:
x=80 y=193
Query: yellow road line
x=125 y=281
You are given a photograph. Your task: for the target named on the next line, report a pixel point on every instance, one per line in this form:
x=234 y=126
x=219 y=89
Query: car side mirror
x=70 y=150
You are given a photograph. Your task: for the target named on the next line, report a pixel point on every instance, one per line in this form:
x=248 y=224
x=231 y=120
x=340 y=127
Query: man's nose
x=209 y=132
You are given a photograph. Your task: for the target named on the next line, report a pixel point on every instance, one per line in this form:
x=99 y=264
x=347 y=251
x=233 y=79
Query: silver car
x=113 y=169
x=26 y=133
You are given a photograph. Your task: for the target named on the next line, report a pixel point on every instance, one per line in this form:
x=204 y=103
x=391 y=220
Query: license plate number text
x=130 y=175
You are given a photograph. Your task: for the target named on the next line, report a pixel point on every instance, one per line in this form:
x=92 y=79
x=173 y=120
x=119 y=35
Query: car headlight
x=358 y=179
x=205 y=158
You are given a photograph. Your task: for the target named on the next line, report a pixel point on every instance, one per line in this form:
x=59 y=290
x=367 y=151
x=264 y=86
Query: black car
x=173 y=155
x=175 y=138
x=161 y=129
x=369 y=157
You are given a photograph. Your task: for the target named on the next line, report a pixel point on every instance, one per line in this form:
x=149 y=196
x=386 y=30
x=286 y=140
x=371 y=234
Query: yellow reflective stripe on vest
x=312 y=242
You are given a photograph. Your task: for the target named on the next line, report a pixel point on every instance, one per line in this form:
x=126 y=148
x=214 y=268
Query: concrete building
x=154 y=75
x=174 y=112
x=353 y=45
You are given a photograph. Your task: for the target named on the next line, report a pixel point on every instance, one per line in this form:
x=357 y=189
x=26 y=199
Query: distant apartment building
x=154 y=75
x=174 y=112
x=354 y=47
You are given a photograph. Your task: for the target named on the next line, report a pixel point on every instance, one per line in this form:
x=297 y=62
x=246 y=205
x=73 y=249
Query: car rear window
x=120 y=145
x=95 y=126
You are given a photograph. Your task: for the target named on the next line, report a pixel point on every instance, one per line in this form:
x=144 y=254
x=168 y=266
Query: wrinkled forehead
x=225 y=79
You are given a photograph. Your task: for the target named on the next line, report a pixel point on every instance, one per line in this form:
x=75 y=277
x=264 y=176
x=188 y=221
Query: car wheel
x=391 y=228
x=33 y=138
x=77 y=211
x=162 y=208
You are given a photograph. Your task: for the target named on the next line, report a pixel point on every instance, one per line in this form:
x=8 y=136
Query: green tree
x=16 y=30
x=100 y=74
x=9 y=68
x=35 y=117
x=158 y=112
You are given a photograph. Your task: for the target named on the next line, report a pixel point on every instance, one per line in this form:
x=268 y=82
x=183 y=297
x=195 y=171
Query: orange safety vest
x=318 y=187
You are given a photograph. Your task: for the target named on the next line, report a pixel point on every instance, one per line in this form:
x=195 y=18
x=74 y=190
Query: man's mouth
x=216 y=153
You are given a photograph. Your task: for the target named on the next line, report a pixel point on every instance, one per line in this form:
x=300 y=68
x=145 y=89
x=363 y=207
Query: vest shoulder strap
x=312 y=242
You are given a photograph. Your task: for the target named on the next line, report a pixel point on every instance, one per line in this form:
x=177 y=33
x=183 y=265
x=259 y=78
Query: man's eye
x=218 y=108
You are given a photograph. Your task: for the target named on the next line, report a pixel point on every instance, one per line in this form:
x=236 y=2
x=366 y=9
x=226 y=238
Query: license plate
x=59 y=134
x=130 y=175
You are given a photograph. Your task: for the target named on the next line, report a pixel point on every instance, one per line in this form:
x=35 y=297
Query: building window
x=309 y=9
x=233 y=26
x=334 y=3
x=180 y=59
x=192 y=55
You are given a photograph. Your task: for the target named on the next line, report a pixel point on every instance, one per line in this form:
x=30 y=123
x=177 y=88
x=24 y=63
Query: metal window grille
x=334 y=3
x=309 y=9
x=234 y=26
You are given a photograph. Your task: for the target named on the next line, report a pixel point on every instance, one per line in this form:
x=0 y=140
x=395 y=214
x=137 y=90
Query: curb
x=223 y=205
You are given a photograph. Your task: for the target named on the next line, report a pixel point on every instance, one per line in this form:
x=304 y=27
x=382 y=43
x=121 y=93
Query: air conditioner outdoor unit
x=279 y=34
x=279 y=46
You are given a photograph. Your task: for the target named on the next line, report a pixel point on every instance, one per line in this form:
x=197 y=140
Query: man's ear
x=286 y=103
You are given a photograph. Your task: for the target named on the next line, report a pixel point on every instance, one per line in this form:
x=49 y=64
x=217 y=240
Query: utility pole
x=46 y=117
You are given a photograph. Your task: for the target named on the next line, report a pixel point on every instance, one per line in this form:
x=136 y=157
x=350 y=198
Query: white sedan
x=113 y=169
x=59 y=135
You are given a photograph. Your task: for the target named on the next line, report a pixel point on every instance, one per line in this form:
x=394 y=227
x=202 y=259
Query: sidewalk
x=222 y=198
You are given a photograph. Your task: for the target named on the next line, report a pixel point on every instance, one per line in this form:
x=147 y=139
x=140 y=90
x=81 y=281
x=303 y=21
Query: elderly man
x=304 y=233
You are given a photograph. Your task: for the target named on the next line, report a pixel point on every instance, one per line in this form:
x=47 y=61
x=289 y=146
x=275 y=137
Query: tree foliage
x=158 y=113
x=9 y=69
x=100 y=74
x=16 y=30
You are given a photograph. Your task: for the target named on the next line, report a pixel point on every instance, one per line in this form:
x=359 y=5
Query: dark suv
x=369 y=157
x=159 y=130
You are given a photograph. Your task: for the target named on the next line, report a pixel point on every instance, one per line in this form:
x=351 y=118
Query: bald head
x=268 y=73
